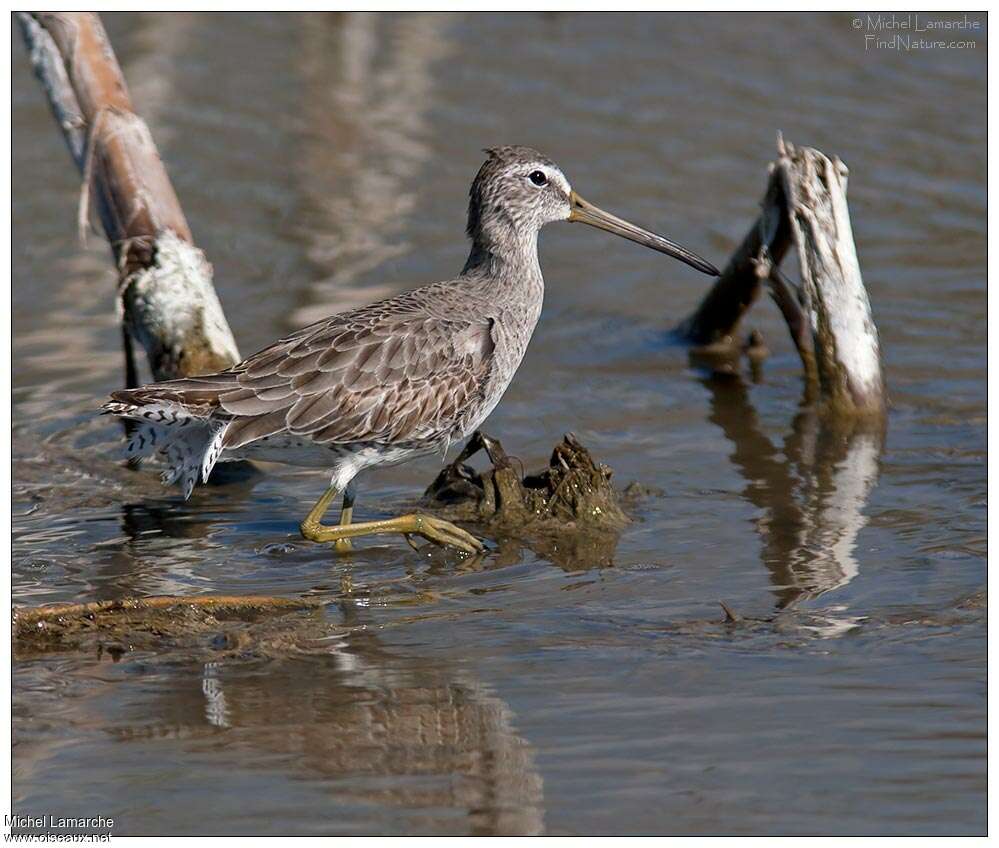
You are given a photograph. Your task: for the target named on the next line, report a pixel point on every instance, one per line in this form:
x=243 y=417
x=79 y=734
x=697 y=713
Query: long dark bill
x=586 y=213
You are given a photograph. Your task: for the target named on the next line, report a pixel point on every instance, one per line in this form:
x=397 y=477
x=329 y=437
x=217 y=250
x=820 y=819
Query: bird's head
x=518 y=190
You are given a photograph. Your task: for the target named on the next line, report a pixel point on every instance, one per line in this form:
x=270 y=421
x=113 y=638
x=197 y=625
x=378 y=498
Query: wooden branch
x=794 y=307
x=845 y=338
x=29 y=621
x=716 y=319
x=51 y=72
x=829 y=318
x=168 y=300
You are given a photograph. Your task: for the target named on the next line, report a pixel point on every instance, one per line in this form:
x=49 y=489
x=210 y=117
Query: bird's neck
x=508 y=274
x=509 y=258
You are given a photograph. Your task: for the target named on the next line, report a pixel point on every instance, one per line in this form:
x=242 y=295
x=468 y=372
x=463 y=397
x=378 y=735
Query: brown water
x=324 y=161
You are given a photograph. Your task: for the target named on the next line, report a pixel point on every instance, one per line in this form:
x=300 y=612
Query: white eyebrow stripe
x=563 y=183
x=553 y=174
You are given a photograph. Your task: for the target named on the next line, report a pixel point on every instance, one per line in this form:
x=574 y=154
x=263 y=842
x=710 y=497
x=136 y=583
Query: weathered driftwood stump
x=829 y=315
x=165 y=287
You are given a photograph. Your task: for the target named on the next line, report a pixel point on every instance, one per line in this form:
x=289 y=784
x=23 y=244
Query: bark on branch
x=165 y=283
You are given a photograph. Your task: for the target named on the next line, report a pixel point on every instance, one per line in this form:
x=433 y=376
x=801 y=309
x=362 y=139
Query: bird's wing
x=196 y=395
x=371 y=375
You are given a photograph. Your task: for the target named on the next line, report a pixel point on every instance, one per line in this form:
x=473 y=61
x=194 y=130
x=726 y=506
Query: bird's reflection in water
x=406 y=733
x=811 y=491
x=167 y=513
x=180 y=531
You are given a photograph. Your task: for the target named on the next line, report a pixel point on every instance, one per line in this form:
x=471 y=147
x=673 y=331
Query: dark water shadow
x=169 y=515
x=571 y=551
x=811 y=490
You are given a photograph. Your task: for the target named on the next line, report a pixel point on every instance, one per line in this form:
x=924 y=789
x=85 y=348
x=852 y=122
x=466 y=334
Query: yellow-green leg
x=346 y=514
x=430 y=528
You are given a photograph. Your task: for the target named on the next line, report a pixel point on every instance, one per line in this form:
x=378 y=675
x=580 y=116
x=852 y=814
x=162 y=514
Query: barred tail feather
x=190 y=444
x=212 y=451
x=186 y=453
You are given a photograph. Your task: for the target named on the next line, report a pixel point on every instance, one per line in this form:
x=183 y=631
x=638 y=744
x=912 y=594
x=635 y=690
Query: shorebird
x=384 y=383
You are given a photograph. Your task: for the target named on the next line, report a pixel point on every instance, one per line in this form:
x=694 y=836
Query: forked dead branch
x=829 y=315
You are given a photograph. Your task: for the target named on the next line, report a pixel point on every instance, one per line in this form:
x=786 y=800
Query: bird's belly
x=289 y=450
x=300 y=451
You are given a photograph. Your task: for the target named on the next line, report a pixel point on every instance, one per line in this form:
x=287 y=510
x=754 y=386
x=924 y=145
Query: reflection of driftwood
x=830 y=316
x=811 y=491
x=367 y=111
x=165 y=283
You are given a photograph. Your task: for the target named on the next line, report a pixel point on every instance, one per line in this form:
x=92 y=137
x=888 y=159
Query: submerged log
x=167 y=298
x=33 y=619
x=120 y=625
x=829 y=316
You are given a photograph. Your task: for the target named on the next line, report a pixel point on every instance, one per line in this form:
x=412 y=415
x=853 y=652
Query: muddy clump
x=572 y=494
x=568 y=513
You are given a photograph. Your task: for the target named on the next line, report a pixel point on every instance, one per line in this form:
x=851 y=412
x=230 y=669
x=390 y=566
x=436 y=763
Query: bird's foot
x=435 y=530
x=442 y=533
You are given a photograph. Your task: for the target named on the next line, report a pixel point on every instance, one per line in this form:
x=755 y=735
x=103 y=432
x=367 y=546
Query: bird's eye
x=538 y=178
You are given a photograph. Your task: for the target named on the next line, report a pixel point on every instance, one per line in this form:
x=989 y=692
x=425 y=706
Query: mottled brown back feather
x=385 y=373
